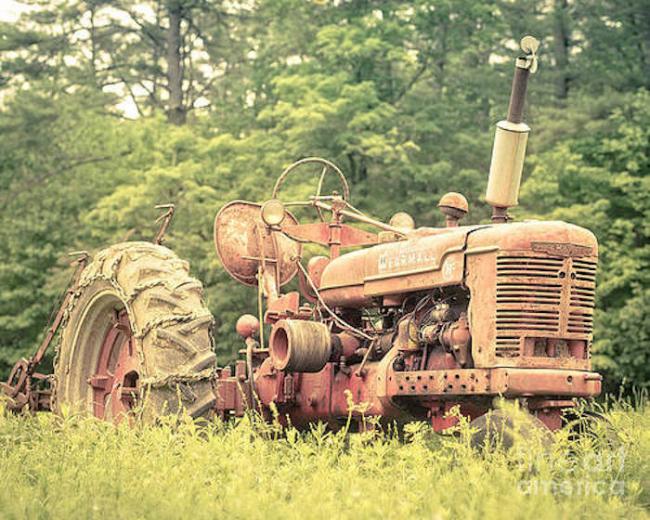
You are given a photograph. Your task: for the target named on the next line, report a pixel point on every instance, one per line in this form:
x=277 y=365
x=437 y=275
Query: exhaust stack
x=510 y=139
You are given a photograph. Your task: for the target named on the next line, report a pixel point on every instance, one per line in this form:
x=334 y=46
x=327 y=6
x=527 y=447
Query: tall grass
x=73 y=467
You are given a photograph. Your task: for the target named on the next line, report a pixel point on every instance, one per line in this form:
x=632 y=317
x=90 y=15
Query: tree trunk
x=641 y=21
x=441 y=60
x=93 y=45
x=176 y=112
x=561 y=42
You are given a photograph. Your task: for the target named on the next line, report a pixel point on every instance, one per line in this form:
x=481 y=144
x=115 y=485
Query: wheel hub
x=115 y=382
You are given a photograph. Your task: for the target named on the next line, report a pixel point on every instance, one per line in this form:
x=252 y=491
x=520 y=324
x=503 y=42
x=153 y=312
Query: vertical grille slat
x=583 y=297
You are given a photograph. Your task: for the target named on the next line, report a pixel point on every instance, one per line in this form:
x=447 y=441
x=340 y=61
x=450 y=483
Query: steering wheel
x=328 y=167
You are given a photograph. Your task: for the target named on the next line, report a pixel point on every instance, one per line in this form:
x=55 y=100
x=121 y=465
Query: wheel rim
x=116 y=378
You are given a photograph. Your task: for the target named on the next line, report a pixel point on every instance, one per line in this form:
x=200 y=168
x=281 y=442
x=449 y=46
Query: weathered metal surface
x=406 y=266
x=530 y=308
x=454 y=206
x=285 y=305
x=165 y=220
x=322 y=233
x=461 y=314
x=509 y=149
x=526 y=281
x=326 y=167
x=300 y=345
x=507 y=382
x=115 y=382
x=242 y=242
x=247 y=325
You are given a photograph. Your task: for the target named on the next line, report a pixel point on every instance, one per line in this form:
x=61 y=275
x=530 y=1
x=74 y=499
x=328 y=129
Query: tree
x=561 y=46
x=159 y=54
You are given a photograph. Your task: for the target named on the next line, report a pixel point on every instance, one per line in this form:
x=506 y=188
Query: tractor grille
x=544 y=297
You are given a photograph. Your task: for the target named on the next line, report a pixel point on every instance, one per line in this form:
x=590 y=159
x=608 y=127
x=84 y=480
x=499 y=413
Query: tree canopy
x=110 y=107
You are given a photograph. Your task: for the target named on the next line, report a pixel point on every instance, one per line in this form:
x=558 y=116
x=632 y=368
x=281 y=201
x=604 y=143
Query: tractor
x=394 y=322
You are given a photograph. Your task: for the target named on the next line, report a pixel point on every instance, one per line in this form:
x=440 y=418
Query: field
x=53 y=467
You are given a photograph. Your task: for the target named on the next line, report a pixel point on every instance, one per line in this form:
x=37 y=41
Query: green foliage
x=403 y=97
x=58 y=467
x=55 y=152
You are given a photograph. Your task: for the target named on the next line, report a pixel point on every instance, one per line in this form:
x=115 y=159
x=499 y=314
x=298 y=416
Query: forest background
x=108 y=108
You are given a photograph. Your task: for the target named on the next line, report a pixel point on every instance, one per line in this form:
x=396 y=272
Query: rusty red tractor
x=411 y=322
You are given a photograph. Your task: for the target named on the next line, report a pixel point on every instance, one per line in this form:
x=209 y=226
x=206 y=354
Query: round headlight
x=273 y=212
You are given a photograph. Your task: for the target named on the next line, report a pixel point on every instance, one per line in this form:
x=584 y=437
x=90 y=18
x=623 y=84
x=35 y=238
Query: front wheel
x=503 y=427
x=136 y=338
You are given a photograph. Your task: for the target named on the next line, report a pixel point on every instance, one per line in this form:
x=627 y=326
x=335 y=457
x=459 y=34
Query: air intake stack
x=510 y=139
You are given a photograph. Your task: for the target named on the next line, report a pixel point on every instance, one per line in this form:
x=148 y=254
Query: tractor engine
x=411 y=323
x=520 y=295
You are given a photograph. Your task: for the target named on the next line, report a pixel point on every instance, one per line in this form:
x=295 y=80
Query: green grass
x=53 y=467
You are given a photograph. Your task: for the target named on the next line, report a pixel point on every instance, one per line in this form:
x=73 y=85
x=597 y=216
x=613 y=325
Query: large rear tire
x=136 y=338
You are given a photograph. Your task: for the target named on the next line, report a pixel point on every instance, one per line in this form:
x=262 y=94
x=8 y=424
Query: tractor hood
x=433 y=257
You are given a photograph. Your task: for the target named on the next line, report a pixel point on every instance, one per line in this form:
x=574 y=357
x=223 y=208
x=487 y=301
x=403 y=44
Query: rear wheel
x=136 y=338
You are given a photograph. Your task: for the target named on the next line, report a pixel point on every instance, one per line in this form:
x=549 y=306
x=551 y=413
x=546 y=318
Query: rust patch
x=562 y=249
